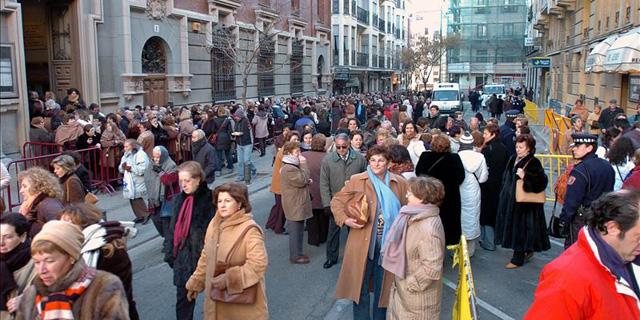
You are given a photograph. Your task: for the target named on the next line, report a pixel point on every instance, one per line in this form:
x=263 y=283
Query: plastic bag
x=128 y=187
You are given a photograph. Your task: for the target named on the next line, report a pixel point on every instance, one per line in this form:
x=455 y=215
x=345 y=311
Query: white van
x=447 y=97
x=489 y=89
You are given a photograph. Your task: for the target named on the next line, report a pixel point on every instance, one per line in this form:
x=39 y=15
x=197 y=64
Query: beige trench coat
x=355 y=252
x=296 y=199
x=419 y=294
x=250 y=261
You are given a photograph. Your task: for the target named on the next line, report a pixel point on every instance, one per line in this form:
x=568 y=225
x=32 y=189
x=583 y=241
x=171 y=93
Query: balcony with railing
x=363 y=59
x=353 y=57
x=363 y=15
x=374 y=60
x=345 y=7
x=345 y=57
x=374 y=21
x=381 y=62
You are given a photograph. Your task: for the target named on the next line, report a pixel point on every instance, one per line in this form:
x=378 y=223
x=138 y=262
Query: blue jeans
x=244 y=158
x=375 y=270
x=221 y=155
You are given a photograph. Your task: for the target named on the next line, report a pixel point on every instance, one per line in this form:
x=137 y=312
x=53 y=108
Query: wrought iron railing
x=363 y=15
x=363 y=59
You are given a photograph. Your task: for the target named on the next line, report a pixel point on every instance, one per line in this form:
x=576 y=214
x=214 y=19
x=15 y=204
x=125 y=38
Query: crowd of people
x=405 y=180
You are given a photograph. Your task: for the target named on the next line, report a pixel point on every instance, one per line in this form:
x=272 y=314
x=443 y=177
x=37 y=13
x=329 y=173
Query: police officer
x=589 y=179
x=508 y=132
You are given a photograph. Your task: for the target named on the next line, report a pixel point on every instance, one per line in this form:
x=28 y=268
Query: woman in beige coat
x=233 y=246
x=296 y=199
x=361 y=270
x=414 y=253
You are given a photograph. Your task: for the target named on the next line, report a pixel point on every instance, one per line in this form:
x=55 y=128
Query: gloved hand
x=157 y=168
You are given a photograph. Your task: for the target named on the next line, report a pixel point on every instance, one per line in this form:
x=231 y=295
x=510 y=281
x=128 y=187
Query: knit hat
x=64 y=234
x=239 y=112
x=466 y=138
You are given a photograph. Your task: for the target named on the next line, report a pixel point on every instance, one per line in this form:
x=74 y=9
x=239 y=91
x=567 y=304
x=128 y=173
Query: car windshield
x=449 y=95
x=493 y=89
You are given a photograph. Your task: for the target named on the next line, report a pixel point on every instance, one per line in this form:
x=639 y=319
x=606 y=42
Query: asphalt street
x=307 y=291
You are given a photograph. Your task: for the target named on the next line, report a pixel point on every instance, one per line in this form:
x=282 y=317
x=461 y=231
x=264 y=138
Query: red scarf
x=181 y=230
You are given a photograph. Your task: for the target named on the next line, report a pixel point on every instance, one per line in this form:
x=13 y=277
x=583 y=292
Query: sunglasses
x=342 y=147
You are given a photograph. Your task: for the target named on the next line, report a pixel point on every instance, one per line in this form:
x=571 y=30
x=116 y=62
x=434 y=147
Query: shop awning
x=624 y=54
x=595 y=59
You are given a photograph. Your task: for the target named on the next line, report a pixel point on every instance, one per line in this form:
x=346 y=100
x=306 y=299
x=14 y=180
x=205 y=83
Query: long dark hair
x=621 y=151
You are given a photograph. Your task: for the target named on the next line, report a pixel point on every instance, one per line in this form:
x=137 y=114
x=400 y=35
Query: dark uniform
x=508 y=133
x=588 y=180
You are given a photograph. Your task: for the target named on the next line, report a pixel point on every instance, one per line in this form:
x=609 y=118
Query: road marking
x=485 y=305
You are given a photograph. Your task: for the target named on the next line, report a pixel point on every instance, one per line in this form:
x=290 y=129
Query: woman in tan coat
x=64 y=168
x=414 y=253
x=276 y=220
x=296 y=199
x=384 y=194
x=233 y=246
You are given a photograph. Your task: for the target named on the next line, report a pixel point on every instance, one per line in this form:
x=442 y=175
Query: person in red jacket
x=632 y=181
x=598 y=276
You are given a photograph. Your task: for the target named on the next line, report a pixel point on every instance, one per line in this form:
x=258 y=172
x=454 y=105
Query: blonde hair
x=46 y=246
x=42 y=181
x=185 y=115
x=65 y=162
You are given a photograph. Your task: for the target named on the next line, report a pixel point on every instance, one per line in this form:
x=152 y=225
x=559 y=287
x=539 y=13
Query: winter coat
x=495 y=155
x=314 y=163
x=223 y=130
x=243 y=126
x=522 y=226
x=576 y=285
x=40 y=135
x=334 y=172
x=296 y=199
x=476 y=172
x=419 y=294
x=85 y=141
x=160 y=136
x=276 y=186
x=186 y=126
x=68 y=133
x=260 y=122
x=185 y=261
x=415 y=148
x=450 y=171
x=205 y=155
x=358 y=240
x=621 y=172
x=43 y=210
x=73 y=189
x=157 y=191
x=109 y=138
x=633 y=181
x=103 y=299
x=249 y=265
x=23 y=278
x=139 y=163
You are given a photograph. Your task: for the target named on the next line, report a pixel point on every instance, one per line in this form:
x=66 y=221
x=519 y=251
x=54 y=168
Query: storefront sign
x=634 y=88
x=540 y=62
x=341 y=74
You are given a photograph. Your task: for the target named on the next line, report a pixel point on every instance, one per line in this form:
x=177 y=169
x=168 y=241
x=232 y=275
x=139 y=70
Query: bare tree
x=425 y=55
x=247 y=48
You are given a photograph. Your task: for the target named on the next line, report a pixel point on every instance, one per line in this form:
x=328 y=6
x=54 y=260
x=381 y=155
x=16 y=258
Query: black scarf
x=9 y=263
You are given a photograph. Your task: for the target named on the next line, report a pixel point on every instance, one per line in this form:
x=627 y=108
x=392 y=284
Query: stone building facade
x=140 y=52
x=593 y=50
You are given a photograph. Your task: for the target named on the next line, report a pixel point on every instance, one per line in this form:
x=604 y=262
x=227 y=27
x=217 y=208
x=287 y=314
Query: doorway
x=50 y=32
x=154 y=65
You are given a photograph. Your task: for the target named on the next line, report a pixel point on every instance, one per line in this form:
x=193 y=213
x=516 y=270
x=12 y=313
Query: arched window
x=154 y=58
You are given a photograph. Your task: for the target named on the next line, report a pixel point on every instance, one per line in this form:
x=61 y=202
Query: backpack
x=560 y=187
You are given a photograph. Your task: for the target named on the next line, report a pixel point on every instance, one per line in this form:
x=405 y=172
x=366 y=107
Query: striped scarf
x=58 y=305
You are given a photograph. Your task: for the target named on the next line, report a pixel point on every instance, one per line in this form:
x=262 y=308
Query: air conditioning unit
x=196 y=27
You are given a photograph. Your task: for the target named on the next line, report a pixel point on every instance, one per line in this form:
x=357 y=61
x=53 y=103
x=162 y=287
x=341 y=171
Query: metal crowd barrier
x=32 y=149
x=554 y=165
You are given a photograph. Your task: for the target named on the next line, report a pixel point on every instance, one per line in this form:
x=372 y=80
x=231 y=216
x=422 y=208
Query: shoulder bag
x=554 y=228
x=214 y=137
x=528 y=197
x=358 y=207
x=248 y=295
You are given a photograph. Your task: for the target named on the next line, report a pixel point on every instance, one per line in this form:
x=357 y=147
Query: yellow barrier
x=554 y=165
x=558 y=125
x=534 y=114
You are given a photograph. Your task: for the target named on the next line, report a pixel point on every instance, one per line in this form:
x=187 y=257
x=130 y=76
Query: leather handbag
x=248 y=295
x=528 y=197
x=358 y=207
x=90 y=198
x=554 y=228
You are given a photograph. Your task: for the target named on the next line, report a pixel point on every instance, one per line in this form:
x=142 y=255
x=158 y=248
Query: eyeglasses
x=342 y=147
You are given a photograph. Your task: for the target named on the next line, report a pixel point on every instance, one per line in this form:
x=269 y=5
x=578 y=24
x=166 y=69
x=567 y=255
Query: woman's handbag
x=358 y=207
x=528 y=197
x=554 y=229
x=90 y=198
x=166 y=209
x=248 y=295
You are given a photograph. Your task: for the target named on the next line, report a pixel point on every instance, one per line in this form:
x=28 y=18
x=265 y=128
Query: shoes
x=137 y=220
x=512 y=266
x=254 y=174
x=146 y=219
x=528 y=256
x=262 y=154
x=300 y=260
x=329 y=263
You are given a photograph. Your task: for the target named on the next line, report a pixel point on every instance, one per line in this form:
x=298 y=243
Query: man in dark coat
x=496 y=156
x=495 y=106
x=588 y=180
x=205 y=155
x=608 y=116
x=508 y=132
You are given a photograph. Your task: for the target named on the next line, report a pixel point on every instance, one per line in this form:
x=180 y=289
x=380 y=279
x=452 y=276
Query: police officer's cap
x=584 y=138
x=512 y=114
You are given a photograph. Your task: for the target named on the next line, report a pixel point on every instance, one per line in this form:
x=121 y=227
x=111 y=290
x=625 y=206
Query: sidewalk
x=118 y=208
